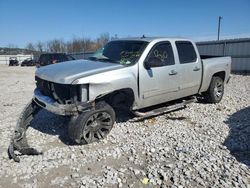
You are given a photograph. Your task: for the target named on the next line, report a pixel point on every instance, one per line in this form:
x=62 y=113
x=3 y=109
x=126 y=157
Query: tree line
x=76 y=44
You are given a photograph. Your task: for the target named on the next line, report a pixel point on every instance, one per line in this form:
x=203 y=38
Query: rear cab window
x=60 y=57
x=45 y=58
x=186 y=52
x=48 y=58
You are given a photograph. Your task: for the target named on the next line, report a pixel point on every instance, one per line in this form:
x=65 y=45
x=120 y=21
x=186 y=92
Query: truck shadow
x=123 y=116
x=238 y=140
x=52 y=124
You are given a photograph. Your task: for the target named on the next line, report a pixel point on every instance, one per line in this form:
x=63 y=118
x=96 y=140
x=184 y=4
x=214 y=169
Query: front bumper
x=51 y=105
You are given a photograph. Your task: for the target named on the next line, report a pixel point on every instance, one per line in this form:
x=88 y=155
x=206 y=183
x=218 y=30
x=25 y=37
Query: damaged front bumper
x=53 y=106
x=19 y=141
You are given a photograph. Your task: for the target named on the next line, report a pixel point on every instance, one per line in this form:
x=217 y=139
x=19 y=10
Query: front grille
x=62 y=93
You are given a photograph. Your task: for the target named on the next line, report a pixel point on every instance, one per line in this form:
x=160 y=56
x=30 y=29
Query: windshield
x=121 y=52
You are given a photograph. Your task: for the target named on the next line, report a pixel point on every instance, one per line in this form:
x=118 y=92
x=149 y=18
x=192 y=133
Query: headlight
x=84 y=92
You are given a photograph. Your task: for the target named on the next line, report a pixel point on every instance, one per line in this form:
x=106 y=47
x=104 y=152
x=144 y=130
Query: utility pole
x=218 y=38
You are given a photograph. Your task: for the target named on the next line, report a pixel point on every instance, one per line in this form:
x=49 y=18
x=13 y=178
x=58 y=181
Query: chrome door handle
x=196 y=69
x=172 y=72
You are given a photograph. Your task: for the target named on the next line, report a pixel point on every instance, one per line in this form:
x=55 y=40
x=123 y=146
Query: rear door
x=159 y=83
x=190 y=68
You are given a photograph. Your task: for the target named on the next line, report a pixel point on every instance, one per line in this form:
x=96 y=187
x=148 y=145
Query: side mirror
x=147 y=65
x=152 y=62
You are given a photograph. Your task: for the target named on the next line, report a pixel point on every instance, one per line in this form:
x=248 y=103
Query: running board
x=164 y=109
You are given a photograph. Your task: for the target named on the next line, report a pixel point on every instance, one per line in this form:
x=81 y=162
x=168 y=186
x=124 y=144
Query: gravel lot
x=204 y=145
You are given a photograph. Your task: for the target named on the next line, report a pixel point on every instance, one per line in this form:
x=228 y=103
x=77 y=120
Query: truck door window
x=161 y=55
x=186 y=52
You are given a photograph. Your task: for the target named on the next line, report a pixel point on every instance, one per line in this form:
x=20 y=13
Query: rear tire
x=215 y=91
x=93 y=125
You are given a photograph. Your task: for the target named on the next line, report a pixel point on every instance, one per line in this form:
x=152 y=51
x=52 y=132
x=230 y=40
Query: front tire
x=215 y=91
x=93 y=125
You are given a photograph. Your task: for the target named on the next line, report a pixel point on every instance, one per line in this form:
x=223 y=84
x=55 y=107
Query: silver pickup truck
x=131 y=74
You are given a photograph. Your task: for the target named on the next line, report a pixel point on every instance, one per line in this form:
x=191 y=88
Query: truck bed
x=212 y=64
x=208 y=56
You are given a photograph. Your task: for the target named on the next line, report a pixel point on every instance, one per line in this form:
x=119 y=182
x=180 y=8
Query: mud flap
x=19 y=141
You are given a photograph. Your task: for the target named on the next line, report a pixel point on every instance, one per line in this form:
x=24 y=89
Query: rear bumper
x=51 y=105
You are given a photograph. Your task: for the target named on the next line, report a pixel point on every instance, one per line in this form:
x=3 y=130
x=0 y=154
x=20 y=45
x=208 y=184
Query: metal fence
x=81 y=55
x=238 y=49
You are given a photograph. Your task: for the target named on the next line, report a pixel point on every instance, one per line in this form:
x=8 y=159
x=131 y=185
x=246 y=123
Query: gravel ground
x=204 y=145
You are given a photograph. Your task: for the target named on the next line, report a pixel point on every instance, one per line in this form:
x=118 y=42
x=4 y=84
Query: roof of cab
x=150 y=39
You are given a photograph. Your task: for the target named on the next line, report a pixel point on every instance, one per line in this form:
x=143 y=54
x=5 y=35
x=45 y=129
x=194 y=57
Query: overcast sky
x=23 y=21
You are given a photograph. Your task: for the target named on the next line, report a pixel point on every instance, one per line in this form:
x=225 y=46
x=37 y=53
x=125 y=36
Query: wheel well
x=221 y=74
x=126 y=96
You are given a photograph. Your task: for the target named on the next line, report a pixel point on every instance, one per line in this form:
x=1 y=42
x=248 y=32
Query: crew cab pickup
x=131 y=74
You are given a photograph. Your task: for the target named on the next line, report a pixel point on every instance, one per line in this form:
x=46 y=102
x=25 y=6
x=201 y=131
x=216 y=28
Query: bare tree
x=30 y=47
x=69 y=46
x=102 y=40
x=56 y=45
x=114 y=37
x=74 y=45
x=11 y=46
x=40 y=46
x=81 y=45
x=89 y=45
x=77 y=45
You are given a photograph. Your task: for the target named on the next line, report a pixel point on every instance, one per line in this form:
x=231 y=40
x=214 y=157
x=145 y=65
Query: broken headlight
x=84 y=92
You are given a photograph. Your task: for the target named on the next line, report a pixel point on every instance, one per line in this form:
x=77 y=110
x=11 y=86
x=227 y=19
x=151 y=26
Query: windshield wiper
x=103 y=58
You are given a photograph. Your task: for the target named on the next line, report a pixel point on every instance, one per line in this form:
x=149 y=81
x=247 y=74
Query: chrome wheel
x=215 y=91
x=97 y=126
x=218 y=89
x=93 y=125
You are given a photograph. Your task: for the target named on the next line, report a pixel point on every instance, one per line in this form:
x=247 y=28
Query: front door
x=159 y=78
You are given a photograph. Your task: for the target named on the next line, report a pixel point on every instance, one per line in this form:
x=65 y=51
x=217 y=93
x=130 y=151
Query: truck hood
x=67 y=72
